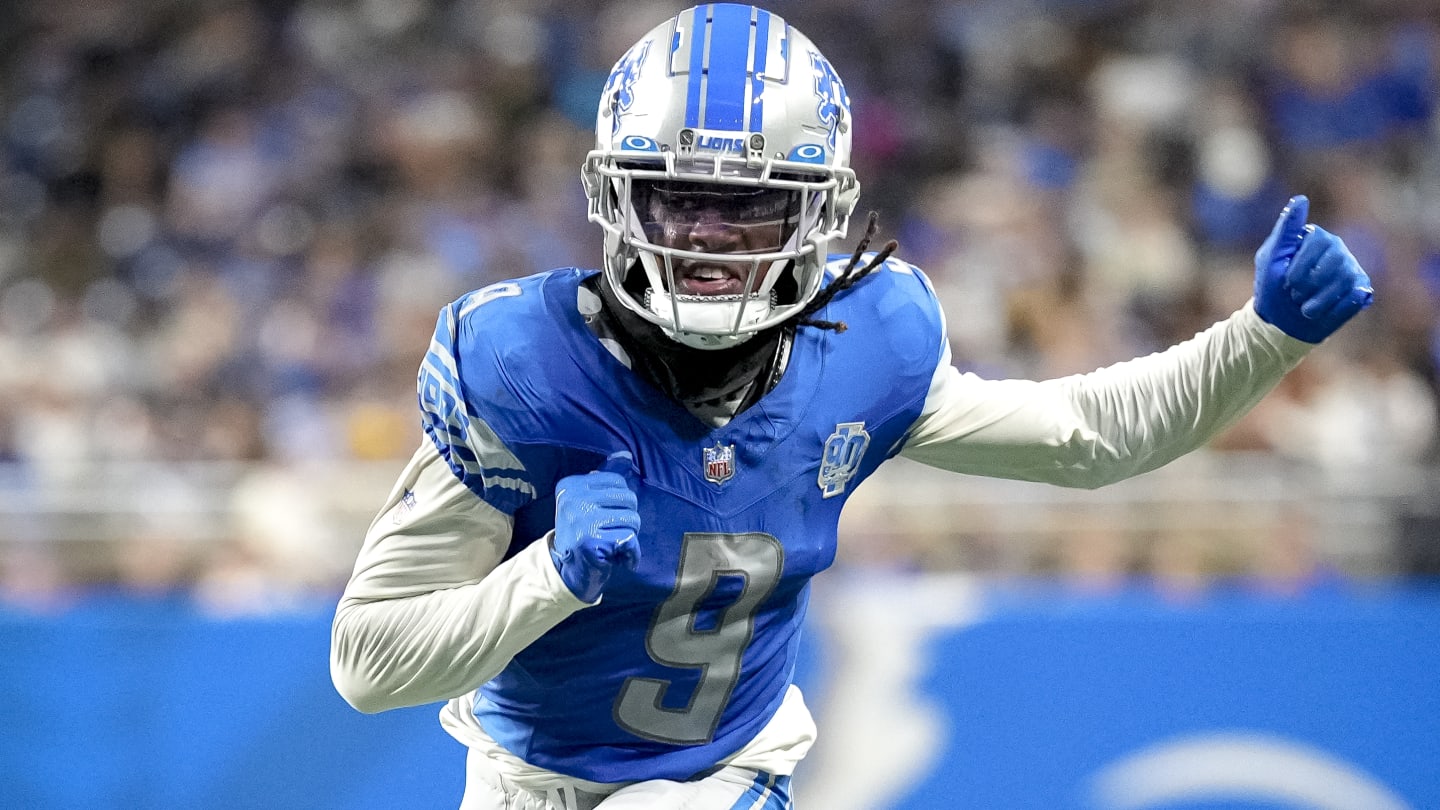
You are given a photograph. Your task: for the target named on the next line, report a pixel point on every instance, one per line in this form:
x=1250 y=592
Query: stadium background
x=226 y=228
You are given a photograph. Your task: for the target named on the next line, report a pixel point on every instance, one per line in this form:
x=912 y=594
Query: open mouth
x=709 y=279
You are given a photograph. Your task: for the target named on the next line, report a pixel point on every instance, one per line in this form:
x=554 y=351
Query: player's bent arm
x=1093 y=429
x=431 y=612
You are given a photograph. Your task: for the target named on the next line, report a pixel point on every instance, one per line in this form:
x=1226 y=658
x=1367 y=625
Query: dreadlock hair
x=846 y=279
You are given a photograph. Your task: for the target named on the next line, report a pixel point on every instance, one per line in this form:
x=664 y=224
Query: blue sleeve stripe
x=490 y=475
x=441 y=401
x=439 y=366
x=518 y=485
x=505 y=494
x=469 y=445
x=728 y=54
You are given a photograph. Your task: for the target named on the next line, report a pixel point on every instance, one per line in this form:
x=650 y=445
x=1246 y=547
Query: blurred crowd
x=226 y=226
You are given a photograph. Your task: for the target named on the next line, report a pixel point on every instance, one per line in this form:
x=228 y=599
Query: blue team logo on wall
x=620 y=87
x=1239 y=765
x=834 y=102
x=841 y=458
x=719 y=463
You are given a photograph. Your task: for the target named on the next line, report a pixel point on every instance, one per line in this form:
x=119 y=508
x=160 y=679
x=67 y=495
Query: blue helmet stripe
x=757 y=83
x=699 y=34
x=727 y=67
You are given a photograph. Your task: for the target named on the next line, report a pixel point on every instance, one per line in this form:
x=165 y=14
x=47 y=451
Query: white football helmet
x=721 y=169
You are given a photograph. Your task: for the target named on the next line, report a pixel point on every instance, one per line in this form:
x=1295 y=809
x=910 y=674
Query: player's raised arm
x=1307 y=283
x=1092 y=429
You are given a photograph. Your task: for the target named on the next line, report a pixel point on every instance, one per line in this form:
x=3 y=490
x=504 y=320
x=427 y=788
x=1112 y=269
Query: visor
x=735 y=219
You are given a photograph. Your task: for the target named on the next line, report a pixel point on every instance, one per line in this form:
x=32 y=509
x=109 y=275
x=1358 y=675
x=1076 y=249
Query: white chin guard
x=727 y=320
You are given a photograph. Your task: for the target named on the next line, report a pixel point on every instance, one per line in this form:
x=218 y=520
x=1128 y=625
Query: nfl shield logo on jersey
x=719 y=463
x=841 y=458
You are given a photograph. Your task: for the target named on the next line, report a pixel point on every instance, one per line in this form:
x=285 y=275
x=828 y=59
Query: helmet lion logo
x=834 y=103
x=621 y=84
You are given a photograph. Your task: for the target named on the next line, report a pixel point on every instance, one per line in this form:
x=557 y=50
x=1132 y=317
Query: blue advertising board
x=1036 y=696
x=930 y=692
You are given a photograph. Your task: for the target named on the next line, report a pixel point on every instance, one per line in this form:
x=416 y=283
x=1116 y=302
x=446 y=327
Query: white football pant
x=727 y=789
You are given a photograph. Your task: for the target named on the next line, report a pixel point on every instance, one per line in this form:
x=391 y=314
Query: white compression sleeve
x=1093 y=429
x=430 y=611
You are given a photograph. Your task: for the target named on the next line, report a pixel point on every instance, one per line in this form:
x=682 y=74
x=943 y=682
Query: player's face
x=710 y=218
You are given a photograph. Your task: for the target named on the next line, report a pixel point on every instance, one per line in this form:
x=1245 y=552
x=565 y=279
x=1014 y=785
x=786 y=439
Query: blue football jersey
x=684 y=660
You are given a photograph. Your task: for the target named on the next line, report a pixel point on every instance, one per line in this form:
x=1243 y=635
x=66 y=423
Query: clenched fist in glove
x=1306 y=281
x=596 y=527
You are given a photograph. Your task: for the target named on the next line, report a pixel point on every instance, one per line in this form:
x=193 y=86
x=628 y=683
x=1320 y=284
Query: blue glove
x=1306 y=281
x=596 y=527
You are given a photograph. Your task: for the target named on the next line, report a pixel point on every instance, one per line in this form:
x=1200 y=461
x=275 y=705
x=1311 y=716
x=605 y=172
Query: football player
x=600 y=555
